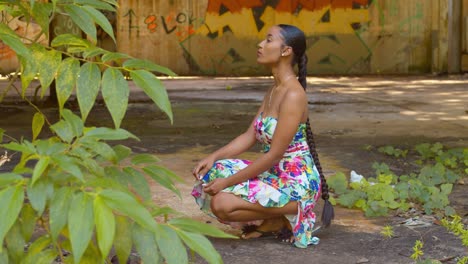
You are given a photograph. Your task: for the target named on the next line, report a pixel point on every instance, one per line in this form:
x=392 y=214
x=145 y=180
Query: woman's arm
x=291 y=110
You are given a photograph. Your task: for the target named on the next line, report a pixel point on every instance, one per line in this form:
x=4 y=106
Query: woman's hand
x=215 y=186
x=203 y=167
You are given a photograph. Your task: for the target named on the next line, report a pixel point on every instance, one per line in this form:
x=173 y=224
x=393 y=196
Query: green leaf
x=145 y=244
x=38 y=194
x=163 y=176
x=50 y=146
x=92 y=52
x=70 y=40
x=11 y=201
x=154 y=89
x=112 y=2
x=9 y=37
x=193 y=226
x=138 y=182
x=35 y=250
x=102 y=149
x=46 y=256
x=115 y=92
x=201 y=245
x=164 y=211
x=28 y=219
x=40 y=167
x=28 y=72
x=100 y=19
x=128 y=206
x=146 y=65
x=66 y=79
x=105 y=226
x=3 y=255
x=41 y=13
x=74 y=121
x=9 y=178
x=48 y=62
x=122 y=152
x=69 y=165
x=87 y=87
x=37 y=124
x=104 y=133
x=170 y=246
x=96 y=4
x=350 y=198
x=446 y=188
x=144 y=158
x=82 y=19
x=432 y=175
x=25 y=149
x=15 y=242
x=63 y=130
x=2 y=131
x=388 y=196
x=80 y=224
x=123 y=238
x=59 y=205
x=112 y=56
x=338 y=182
x=450 y=211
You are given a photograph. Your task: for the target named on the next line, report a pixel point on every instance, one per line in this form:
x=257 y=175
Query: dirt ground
x=350 y=116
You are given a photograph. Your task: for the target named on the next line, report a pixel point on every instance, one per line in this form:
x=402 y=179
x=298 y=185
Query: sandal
x=249 y=229
x=285 y=235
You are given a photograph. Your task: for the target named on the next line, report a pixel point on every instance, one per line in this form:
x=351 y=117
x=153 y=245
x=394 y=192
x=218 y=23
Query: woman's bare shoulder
x=295 y=94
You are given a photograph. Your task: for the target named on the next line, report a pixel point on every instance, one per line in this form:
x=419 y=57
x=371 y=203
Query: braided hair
x=295 y=38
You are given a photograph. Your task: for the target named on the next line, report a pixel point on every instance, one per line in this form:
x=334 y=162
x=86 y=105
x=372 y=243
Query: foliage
x=455 y=226
x=427 y=190
x=387 y=231
x=392 y=151
x=80 y=195
x=417 y=250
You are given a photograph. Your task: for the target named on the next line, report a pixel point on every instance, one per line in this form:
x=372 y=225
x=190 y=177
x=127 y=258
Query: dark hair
x=295 y=38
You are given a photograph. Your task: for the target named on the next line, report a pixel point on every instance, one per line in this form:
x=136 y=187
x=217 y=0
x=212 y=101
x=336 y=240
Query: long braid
x=328 y=212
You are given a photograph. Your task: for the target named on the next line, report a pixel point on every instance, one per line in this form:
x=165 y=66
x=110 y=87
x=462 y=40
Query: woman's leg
x=229 y=207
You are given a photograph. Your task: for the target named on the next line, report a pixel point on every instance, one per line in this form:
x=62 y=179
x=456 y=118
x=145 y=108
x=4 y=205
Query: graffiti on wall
x=331 y=26
x=181 y=24
x=337 y=32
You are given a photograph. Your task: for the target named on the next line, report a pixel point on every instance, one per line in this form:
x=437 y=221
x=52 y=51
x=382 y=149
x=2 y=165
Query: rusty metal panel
x=219 y=37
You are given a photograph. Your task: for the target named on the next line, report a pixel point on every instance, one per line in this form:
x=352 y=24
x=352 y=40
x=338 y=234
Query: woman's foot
x=285 y=234
x=269 y=227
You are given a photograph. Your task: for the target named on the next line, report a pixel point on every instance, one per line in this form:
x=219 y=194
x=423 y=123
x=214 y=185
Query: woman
x=284 y=182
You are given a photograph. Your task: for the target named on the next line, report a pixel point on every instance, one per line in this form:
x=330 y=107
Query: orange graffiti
x=232 y=5
x=291 y=5
x=170 y=17
x=184 y=32
x=151 y=24
x=150 y=19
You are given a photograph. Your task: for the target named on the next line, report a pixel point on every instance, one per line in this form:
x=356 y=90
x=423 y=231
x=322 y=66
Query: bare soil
x=351 y=117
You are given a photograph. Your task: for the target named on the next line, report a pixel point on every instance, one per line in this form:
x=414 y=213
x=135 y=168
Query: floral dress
x=294 y=178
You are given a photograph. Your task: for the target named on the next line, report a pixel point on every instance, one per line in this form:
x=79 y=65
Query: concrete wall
x=219 y=37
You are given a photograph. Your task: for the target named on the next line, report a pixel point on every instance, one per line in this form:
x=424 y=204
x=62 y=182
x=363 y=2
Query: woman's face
x=270 y=49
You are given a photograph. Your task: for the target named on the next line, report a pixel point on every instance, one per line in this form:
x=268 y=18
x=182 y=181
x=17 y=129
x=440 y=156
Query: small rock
x=362 y=260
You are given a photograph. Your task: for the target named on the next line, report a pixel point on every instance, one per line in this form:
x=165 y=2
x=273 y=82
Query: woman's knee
x=220 y=205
